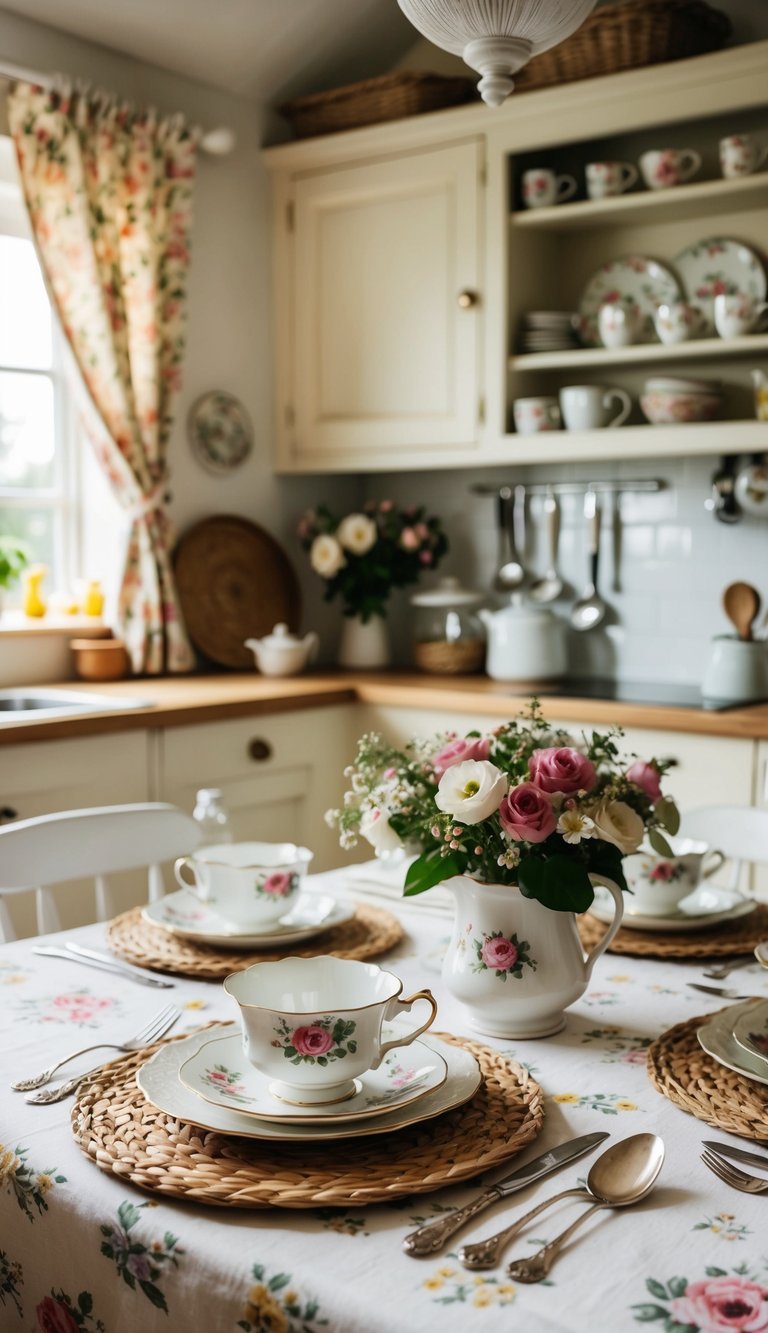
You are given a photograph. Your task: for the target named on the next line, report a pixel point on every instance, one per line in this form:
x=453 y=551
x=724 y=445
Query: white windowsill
x=13 y=622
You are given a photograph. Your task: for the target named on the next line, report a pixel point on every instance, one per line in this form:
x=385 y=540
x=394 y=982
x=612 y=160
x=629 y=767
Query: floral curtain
x=109 y=193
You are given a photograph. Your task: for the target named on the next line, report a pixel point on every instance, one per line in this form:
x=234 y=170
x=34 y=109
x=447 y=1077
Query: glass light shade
x=496 y=37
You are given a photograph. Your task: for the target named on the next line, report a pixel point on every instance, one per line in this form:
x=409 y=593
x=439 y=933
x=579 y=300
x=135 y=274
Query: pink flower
x=279 y=883
x=722 y=1305
x=53 y=1317
x=499 y=953
x=664 y=871
x=409 y=539
x=646 y=777
x=385 y=506
x=425 y=557
x=562 y=770
x=526 y=814
x=469 y=747
x=216 y=1076
x=312 y=1040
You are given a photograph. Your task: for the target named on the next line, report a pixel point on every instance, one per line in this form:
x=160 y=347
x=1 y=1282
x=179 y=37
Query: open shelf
x=683 y=441
x=702 y=349
x=680 y=202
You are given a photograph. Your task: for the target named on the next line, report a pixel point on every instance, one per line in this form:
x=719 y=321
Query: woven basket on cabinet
x=389 y=97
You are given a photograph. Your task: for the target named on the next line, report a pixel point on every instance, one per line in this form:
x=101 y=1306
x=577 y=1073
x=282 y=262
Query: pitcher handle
x=602 y=945
x=718 y=859
x=395 y=1007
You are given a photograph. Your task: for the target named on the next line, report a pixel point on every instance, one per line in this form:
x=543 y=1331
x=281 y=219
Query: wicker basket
x=389 y=97
x=629 y=35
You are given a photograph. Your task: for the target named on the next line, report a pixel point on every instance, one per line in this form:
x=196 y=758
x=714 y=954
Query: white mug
x=250 y=884
x=677 y=321
x=535 y=415
x=312 y=1025
x=609 y=178
x=659 y=883
x=737 y=314
x=663 y=167
x=737 y=670
x=542 y=188
x=586 y=406
x=740 y=155
x=619 y=323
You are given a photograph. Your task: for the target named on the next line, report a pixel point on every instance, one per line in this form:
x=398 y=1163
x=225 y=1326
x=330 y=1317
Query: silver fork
x=720 y=973
x=151 y=1031
x=731 y=1175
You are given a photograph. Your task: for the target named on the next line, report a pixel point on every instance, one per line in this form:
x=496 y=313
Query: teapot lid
x=280 y=637
x=447 y=592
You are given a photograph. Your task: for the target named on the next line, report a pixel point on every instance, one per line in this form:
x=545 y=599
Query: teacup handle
x=718 y=860
x=690 y=161
x=602 y=945
x=565 y=189
x=761 y=313
x=394 y=1007
x=762 y=154
x=624 y=410
x=629 y=175
x=180 y=864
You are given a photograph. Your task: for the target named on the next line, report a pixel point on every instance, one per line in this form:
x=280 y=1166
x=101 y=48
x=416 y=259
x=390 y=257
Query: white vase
x=364 y=643
x=513 y=964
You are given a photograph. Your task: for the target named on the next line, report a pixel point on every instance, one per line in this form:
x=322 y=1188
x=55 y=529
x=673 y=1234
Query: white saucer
x=717 y=1039
x=750 y=1030
x=705 y=907
x=220 y=1073
x=159 y=1080
x=182 y=913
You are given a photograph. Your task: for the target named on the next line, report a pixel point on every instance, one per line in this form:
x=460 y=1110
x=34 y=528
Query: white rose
x=357 y=533
x=375 y=826
x=326 y=556
x=617 y=822
x=471 y=791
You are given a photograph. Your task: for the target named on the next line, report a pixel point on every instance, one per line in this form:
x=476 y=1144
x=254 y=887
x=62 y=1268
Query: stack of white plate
x=548 y=331
x=737 y=1037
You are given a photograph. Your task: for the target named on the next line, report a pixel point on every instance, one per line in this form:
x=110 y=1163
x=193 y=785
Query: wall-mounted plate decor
x=220 y=431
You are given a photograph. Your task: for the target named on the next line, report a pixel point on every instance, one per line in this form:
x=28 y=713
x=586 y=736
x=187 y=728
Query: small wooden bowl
x=100 y=659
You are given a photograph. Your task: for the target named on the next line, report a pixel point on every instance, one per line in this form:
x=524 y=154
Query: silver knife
x=723 y=992
x=105 y=964
x=738 y=1154
x=430 y=1238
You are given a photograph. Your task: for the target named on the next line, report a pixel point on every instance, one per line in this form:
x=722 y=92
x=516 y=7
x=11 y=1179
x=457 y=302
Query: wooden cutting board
x=234 y=583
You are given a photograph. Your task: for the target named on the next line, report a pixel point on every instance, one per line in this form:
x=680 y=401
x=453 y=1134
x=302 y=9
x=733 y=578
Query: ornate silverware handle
x=431 y=1238
x=61 y=1090
x=536 y=1267
x=486 y=1253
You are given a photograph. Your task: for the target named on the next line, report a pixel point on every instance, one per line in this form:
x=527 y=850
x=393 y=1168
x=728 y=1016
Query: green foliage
x=14 y=557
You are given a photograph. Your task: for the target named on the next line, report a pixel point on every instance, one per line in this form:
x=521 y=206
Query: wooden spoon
x=741 y=603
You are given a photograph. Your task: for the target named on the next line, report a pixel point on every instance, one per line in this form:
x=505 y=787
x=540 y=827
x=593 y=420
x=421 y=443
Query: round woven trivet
x=729 y=937
x=680 y=1070
x=371 y=931
x=126 y=1135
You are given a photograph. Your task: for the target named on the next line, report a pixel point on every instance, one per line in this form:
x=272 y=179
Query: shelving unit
x=703 y=349
x=683 y=441
x=698 y=200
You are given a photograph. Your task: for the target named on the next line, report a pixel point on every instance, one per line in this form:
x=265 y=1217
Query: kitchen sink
x=32 y=704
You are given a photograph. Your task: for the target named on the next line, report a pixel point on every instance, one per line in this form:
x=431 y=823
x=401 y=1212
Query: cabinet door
x=384 y=356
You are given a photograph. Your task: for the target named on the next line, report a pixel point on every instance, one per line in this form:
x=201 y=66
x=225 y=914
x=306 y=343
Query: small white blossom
x=357 y=533
x=574 y=826
x=326 y=556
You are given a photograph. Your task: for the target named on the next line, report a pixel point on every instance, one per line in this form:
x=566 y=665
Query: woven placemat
x=680 y=1070
x=127 y=1136
x=371 y=931
x=726 y=939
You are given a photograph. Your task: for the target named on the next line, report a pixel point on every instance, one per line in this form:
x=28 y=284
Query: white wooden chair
x=740 y=831
x=93 y=843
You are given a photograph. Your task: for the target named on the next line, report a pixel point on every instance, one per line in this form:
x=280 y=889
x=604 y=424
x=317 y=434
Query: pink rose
x=469 y=747
x=526 y=814
x=499 y=953
x=722 y=1305
x=664 y=871
x=409 y=540
x=646 y=777
x=563 y=770
x=312 y=1040
x=279 y=883
x=53 y=1317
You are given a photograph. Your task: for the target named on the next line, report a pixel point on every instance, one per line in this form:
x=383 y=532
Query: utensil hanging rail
x=648 y=485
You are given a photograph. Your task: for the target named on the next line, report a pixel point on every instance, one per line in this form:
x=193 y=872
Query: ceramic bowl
x=100 y=659
x=664 y=407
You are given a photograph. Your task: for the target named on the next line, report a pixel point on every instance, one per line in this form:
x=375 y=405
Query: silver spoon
x=550 y=585
x=590 y=609
x=510 y=574
x=624 y=1174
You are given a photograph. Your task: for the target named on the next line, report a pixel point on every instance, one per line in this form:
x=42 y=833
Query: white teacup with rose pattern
x=664 y=167
x=740 y=155
x=660 y=883
x=736 y=314
x=312 y=1026
x=534 y=415
x=605 y=179
x=677 y=321
x=250 y=884
x=542 y=188
x=620 y=323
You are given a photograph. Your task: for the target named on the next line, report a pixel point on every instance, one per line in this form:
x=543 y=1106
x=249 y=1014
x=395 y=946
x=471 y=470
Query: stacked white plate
x=548 y=331
x=737 y=1037
x=703 y=909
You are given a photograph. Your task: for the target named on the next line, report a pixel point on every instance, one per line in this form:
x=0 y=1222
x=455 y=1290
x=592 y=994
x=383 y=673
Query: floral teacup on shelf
x=677 y=321
x=659 y=883
x=665 y=167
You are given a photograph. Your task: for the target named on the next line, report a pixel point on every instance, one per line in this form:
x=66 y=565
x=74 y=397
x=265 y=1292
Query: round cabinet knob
x=8 y=814
x=466 y=300
x=259 y=749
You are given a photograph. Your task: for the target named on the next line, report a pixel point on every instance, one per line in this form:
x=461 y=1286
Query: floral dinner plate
x=718 y=265
x=159 y=1080
x=633 y=279
x=707 y=906
x=220 y=431
x=717 y=1039
x=220 y=1073
x=751 y=1032
x=183 y=914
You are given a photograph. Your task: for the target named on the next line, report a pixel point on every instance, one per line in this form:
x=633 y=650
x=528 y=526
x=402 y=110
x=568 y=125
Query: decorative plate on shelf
x=633 y=279
x=220 y=431
x=718 y=265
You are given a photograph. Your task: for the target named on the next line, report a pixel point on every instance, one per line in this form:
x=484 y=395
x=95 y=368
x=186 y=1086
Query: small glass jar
x=448 y=634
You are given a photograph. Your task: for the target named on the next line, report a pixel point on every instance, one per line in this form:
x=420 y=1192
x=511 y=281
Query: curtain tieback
x=149 y=503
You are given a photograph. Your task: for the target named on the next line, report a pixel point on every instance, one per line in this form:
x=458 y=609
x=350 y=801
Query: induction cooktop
x=661 y=693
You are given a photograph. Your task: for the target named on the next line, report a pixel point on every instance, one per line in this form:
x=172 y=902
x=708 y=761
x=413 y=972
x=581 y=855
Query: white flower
x=375 y=826
x=574 y=825
x=357 y=532
x=326 y=556
x=471 y=791
x=617 y=822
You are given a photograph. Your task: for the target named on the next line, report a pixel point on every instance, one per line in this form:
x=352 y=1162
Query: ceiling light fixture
x=496 y=37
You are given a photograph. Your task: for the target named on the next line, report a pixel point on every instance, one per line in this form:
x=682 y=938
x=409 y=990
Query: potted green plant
x=14 y=557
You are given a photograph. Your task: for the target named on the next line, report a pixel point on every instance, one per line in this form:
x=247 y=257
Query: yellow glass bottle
x=93 y=601
x=34 y=603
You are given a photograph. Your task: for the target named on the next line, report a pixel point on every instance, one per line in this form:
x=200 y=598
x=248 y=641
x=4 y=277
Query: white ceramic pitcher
x=515 y=965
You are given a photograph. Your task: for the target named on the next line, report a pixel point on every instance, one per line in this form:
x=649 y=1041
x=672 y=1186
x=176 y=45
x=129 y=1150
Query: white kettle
x=282 y=653
x=525 y=643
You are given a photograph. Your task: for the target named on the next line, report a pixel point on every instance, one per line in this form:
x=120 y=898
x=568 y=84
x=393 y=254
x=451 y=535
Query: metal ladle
x=590 y=609
x=550 y=585
x=510 y=575
x=624 y=1174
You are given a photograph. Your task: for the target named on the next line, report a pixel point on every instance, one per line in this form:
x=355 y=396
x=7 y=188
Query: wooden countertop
x=181 y=700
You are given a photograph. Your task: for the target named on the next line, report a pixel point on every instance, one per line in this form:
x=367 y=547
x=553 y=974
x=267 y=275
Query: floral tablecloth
x=80 y=1250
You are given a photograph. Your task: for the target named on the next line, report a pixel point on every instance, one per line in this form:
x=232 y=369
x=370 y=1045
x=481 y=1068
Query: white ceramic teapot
x=524 y=643
x=282 y=653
